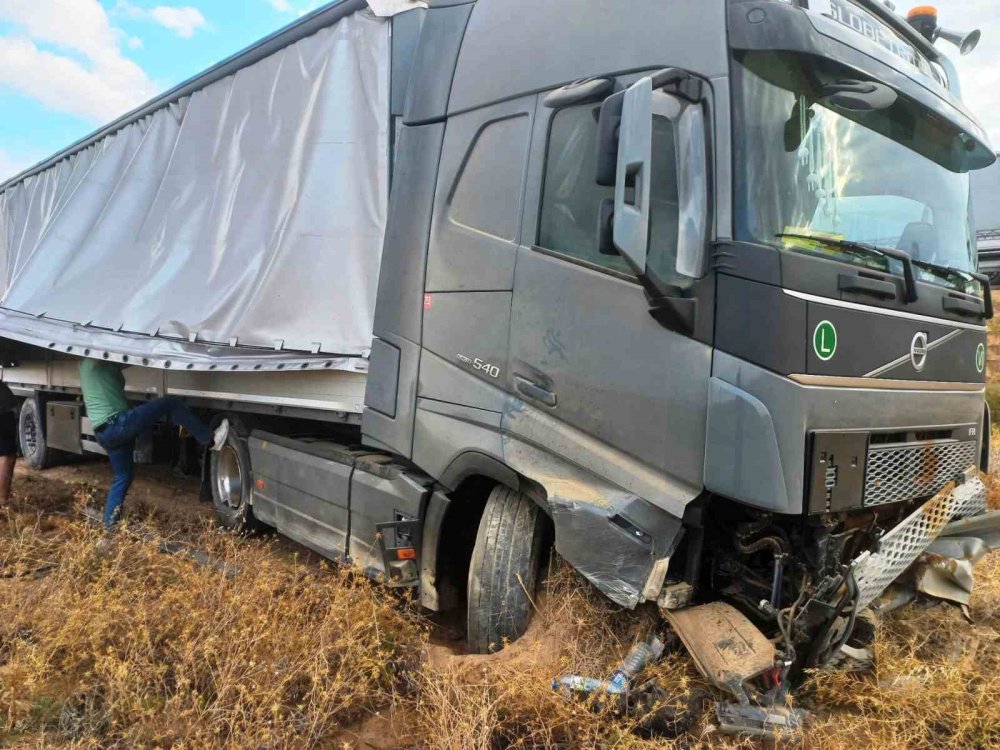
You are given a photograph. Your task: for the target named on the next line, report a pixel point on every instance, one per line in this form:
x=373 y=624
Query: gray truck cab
x=689 y=281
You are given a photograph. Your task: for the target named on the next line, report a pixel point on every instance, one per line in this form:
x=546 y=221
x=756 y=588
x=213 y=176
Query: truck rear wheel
x=504 y=570
x=230 y=480
x=36 y=453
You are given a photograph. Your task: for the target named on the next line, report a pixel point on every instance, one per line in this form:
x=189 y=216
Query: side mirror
x=635 y=154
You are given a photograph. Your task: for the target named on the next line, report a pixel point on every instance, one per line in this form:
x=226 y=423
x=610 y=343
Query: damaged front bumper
x=900 y=547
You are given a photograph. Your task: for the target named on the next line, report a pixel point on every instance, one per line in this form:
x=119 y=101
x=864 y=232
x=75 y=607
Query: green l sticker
x=825 y=340
x=981 y=357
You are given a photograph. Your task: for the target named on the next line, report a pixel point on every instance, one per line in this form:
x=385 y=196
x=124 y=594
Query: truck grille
x=908 y=472
x=874 y=571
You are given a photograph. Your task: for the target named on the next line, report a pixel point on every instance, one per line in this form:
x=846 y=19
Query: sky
x=69 y=66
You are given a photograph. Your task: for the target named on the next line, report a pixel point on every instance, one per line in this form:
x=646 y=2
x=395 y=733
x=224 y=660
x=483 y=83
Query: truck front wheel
x=504 y=570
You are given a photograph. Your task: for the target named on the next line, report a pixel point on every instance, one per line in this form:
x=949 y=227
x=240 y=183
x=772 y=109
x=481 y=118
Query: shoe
x=221 y=435
x=105 y=545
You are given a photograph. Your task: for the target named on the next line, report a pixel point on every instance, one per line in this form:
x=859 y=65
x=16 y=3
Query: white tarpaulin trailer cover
x=247 y=214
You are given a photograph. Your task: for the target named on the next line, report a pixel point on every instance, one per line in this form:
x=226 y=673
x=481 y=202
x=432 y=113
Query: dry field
x=180 y=636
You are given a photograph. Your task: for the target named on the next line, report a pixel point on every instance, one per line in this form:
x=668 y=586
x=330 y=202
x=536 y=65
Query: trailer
x=692 y=295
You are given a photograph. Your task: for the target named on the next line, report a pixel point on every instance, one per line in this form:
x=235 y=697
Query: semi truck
x=686 y=290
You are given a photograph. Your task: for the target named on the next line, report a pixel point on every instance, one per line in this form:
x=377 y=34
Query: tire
x=231 y=484
x=504 y=570
x=31 y=437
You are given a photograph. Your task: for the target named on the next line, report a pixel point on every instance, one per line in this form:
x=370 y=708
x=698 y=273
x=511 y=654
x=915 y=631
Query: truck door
x=595 y=371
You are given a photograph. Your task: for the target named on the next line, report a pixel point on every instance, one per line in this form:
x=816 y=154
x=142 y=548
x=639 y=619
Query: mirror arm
x=908 y=279
x=670 y=306
x=580 y=92
x=677 y=314
x=680 y=83
x=984 y=280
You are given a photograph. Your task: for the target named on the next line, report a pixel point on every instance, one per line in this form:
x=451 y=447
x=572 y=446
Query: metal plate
x=726 y=647
x=62 y=426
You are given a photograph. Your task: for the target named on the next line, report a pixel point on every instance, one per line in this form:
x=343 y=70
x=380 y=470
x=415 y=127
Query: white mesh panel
x=902 y=545
x=914 y=471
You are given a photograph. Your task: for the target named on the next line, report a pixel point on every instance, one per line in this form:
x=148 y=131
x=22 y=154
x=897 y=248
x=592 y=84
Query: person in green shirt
x=117 y=425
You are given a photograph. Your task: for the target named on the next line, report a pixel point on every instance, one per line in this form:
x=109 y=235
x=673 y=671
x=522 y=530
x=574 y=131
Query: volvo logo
x=918 y=351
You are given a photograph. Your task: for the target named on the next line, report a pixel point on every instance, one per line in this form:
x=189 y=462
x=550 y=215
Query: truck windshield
x=803 y=170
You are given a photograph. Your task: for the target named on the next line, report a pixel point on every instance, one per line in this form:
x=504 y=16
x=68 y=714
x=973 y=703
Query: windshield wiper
x=864 y=250
x=946 y=272
x=950 y=272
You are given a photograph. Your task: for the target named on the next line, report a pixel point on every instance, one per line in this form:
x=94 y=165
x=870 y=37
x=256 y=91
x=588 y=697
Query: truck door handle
x=534 y=391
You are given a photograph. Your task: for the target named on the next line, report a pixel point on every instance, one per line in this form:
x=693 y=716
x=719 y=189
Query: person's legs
x=124 y=469
x=6 y=476
x=141 y=418
x=8 y=452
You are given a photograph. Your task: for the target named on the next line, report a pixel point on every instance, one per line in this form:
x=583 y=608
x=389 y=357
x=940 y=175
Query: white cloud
x=11 y=165
x=135 y=42
x=299 y=8
x=184 y=21
x=86 y=73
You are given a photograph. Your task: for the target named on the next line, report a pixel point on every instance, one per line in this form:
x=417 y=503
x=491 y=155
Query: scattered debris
x=772 y=722
x=726 y=647
x=642 y=655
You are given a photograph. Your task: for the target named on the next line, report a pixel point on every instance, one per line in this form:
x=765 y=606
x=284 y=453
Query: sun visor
x=801 y=51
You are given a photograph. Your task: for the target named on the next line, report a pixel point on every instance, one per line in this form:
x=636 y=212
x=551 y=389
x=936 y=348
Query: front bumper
x=875 y=570
x=759 y=423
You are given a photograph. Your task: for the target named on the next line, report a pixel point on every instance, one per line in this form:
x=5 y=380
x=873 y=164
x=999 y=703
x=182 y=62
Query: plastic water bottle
x=640 y=657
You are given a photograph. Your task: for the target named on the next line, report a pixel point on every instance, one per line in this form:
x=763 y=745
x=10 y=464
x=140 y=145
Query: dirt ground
x=178 y=635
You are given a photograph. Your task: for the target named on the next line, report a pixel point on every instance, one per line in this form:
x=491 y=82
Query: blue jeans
x=118 y=436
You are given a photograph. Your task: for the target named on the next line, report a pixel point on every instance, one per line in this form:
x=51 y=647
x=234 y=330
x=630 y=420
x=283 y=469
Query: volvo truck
x=687 y=290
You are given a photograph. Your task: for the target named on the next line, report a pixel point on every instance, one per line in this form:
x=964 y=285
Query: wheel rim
x=30 y=433
x=229 y=478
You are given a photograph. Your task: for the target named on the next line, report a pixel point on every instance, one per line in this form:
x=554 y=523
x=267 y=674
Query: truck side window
x=571 y=197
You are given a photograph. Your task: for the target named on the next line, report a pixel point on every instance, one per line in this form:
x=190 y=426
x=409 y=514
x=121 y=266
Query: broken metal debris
x=726 y=647
x=772 y=722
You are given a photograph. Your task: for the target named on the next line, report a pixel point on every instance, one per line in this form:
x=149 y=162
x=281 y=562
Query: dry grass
x=936 y=682
x=136 y=648
x=140 y=649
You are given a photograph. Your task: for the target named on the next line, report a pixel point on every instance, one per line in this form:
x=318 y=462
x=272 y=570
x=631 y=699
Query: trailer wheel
x=36 y=453
x=504 y=570
x=229 y=474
